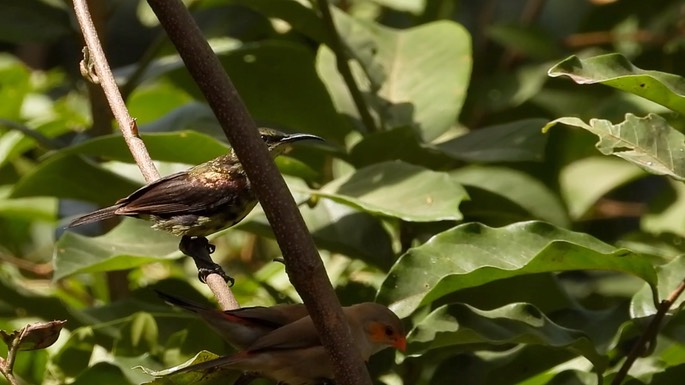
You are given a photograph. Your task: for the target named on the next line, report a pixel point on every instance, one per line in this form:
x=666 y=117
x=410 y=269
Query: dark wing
x=296 y=335
x=271 y=317
x=179 y=194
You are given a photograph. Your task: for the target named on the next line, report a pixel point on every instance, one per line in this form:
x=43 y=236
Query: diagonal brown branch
x=303 y=263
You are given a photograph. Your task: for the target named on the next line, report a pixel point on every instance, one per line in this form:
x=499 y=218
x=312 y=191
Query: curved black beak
x=300 y=137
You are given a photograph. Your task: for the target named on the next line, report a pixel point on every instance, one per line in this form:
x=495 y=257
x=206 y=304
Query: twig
x=342 y=60
x=105 y=78
x=33 y=134
x=95 y=58
x=7 y=372
x=649 y=334
x=7 y=365
x=303 y=263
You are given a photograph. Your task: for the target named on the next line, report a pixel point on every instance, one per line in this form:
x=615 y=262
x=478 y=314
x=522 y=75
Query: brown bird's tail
x=95 y=216
x=170 y=299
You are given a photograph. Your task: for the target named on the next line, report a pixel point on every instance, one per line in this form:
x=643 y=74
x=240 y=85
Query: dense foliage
x=474 y=204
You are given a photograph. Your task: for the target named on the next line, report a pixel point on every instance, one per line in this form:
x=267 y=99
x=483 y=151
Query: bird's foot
x=204 y=271
x=199 y=249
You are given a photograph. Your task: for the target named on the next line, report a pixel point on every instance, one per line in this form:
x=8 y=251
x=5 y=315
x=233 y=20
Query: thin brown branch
x=95 y=59
x=6 y=371
x=303 y=263
x=105 y=78
x=342 y=59
x=649 y=334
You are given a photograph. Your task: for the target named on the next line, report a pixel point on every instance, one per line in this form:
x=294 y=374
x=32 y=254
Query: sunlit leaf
x=401 y=190
x=404 y=73
x=649 y=142
x=472 y=254
x=515 y=323
x=132 y=243
x=615 y=70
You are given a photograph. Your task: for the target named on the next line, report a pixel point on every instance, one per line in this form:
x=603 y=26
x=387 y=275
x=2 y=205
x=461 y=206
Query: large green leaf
x=188 y=147
x=615 y=70
x=32 y=20
x=472 y=254
x=670 y=276
x=271 y=87
x=584 y=181
x=403 y=73
x=649 y=142
x=14 y=85
x=74 y=177
x=519 y=141
x=520 y=323
x=667 y=211
x=133 y=243
x=401 y=190
x=518 y=187
x=340 y=229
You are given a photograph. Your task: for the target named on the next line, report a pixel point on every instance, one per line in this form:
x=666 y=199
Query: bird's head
x=383 y=328
x=279 y=142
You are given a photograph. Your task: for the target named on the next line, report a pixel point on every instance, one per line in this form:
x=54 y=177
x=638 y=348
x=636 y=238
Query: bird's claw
x=205 y=271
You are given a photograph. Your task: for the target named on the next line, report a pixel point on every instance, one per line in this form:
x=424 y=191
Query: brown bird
x=293 y=354
x=242 y=327
x=200 y=201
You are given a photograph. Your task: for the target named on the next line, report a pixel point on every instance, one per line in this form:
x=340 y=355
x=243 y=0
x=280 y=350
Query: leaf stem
x=338 y=47
x=649 y=334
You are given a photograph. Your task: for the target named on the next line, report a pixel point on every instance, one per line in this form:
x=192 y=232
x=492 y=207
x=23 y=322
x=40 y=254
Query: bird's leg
x=199 y=249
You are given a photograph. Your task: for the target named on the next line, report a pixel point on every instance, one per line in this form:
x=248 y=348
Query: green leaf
x=102 y=373
x=188 y=147
x=133 y=243
x=403 y=73
x=666 y=211
x=14 y=85
x=138 y=336
x=670 y=277
x=519 y=141
x=615 y=70
x=33 y=209
x=401 y=190
x=520 y=323
x=75 y=178
x=268 y=85
x=649 y=142
x=518 y=187
x=471 y=254
x=401 y=143
x=584 y=181
x=340 y=229
x=528 y=39
x=151 y=101
x=31 y=21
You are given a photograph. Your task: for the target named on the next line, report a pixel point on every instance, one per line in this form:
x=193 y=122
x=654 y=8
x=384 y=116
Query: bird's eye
x=389 y=331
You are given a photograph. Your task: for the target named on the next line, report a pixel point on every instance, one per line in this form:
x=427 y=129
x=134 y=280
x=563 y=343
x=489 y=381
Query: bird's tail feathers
x=95 y=216
x=182 y=303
